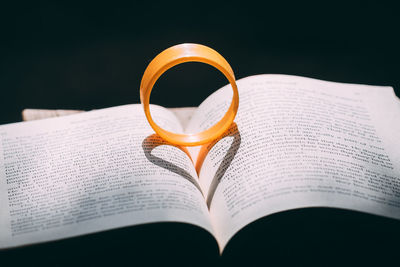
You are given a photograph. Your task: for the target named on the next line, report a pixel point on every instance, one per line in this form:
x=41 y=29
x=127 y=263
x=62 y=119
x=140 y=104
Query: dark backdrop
x=86 y=56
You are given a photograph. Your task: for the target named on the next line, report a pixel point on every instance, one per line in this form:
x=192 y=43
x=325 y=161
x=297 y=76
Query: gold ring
x=180 y=54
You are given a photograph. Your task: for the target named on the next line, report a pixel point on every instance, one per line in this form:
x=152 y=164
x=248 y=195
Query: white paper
x=98 y=170
x=301 y=143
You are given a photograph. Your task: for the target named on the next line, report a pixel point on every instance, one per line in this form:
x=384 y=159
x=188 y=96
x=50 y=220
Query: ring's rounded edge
x=181 y=54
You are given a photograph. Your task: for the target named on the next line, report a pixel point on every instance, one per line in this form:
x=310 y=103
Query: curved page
x=301 y=142
x=98 y=170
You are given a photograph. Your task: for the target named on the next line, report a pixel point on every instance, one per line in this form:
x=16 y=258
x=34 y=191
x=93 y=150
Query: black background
x=92 y=55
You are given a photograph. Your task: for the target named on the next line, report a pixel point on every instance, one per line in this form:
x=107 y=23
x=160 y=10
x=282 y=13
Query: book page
x=301 y=142
x=182 y=114
x=98 y=170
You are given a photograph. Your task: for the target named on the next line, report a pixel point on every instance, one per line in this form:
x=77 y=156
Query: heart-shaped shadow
x=153 y=141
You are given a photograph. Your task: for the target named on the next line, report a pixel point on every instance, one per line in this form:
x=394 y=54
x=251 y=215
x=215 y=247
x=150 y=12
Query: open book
x=296 y=142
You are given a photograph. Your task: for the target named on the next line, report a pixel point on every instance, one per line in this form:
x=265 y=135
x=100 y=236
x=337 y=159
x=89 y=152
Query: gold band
x=180 y=54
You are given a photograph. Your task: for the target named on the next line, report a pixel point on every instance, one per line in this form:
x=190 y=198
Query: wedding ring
x=171 y=57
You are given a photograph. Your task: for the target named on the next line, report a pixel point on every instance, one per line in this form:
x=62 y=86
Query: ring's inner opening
x=182 y=86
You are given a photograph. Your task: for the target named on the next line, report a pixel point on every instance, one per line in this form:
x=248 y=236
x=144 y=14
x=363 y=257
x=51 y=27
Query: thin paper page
x=98 y=170
x=301 y=143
